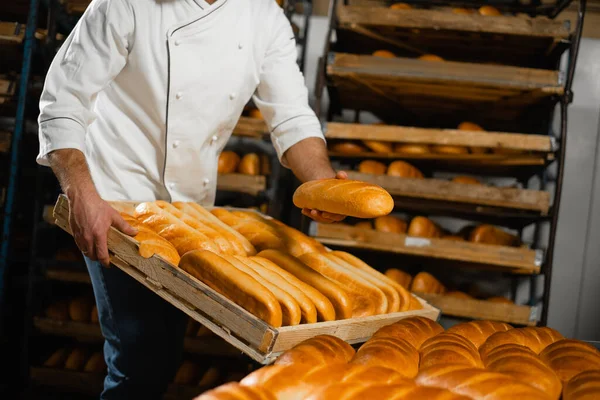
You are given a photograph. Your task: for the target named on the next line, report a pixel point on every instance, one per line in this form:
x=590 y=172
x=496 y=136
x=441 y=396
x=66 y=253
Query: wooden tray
x=395 y=88
x=251 y=127
x=242 y=183
x=261 y=342
x=516 y=260
x=482 y=309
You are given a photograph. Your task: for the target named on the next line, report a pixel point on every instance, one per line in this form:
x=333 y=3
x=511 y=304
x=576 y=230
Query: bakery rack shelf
x=391 y=87
x=11 y=33
x=483 y=309
x=212 y=346
x=91 y=384
x=251 y=127
x=68 y=275
x=241 y=183
x=514 y=260
x=513 y=40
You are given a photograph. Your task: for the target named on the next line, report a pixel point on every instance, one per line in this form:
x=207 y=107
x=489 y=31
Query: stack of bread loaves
x=416 y=359
x=273 y=271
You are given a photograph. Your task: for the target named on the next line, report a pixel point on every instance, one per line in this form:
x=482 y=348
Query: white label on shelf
x=416 y=242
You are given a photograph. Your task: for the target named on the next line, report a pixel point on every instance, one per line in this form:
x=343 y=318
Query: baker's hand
x=323 y=216
x=90 y=218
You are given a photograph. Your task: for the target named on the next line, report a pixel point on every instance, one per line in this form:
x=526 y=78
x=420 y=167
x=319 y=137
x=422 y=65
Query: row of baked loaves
x=381 y=147
x=424 y=227
x=249 y=164
x=273 y=271
x=78 y=309
x=485 y=10
x=416 y=359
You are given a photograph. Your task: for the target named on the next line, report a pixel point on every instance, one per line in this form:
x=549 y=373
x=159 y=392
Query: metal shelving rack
x=543 y=111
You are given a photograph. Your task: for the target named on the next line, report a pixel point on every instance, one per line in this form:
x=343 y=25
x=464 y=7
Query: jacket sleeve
x=92 y=55
x=282 y=96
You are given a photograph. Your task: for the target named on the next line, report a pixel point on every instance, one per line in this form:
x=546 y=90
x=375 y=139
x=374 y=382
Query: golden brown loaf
x=403 y=169
x=400 y=6
x=388 y=352
x=525 y=366
x=488 y=234
x=76 y=359
x=283 y=381
x=322 y=349
x=239 y=287
x=537 y=339
x=341 y=301
x=367 y=298
x=403 y=391
x=80 y=308
x=449 y=348
x=344 y=196
x=324 y=308
x=583 y=386
x=261 y=235
x=58 y=311
x=430 y=57
x=569 y=357
x=228 y=162
x=466 y=180
x=478 y=331
x=477 y=383
x=414 y=330
x=153 y=244
x=404 y=295
x=448 y=149
x=383 y=53
x=372 y=167
x=94 y=315
x=210 y=377
x=489 y=11
x=290 y=309
x=400 y=277
x=406 y=148
x=265 y=164
x=378 y=146
x=424 y=282
x=255 y=112
x=95 y=363
x=470 y=126
x=364 y=225
x=347 y=148
x=57 y=359
x=187 y=373
x=464 y=11
x=235 y=391
x=389 y=223
x=424 y=227
x=250 y=164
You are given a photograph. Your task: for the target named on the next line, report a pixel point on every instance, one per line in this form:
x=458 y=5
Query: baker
x=137 y=105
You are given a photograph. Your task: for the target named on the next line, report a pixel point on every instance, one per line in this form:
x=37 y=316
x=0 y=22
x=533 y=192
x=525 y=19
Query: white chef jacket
x=150 y=91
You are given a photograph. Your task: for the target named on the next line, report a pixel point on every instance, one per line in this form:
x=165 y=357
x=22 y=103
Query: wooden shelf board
x=447 y=191
x=251 y=127
x=241 y=183
x=482 y=309
x=12 y=33
x=66 y=275
x=516 y=260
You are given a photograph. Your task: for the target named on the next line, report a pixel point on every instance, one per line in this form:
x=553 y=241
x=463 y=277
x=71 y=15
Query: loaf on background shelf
x=415 y=358
x=77 y=309
x=249 y=164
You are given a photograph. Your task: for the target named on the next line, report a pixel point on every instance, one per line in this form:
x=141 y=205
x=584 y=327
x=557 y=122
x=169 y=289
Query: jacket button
x=213 y=139
x=176 y=144
x=232 y=96
x=240 y=46
x=172 y=185
x=206 y=181
x=177 y=43
x=179 y=95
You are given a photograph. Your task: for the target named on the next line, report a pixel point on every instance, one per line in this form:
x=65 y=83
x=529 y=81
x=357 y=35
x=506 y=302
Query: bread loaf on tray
x=344 y=196
x=477 y=332
x=449 y=348
x=235 y=391
x=569 y=357
x=583 y=386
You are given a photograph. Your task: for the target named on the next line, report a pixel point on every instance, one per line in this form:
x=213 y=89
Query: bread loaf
x=347 y=148
x=430 y=57
x=459 y=295
x=569 y=357
x=470 y=126
x=388 y=352
x=239 y=287
x=95 y=363
x=324 y=308
x=340 y=299
x=321 y=349
x=449 y=348
x=255 y=112
x=265 y=164
x=414 y=330
x=261 y=235
x=363 y=225
x=183 y=237
x=237 y=240
x=378 y=146
x=372 y=167
x=400 y=277
x=477 y=332
x=291 y=313
x=209 y=378
x=415 y=304
x=76 y=359
x=405 y=148
x=80 y=308
x=390 y=224
x=367 y=299
x=466 y=180
x=58 y=311
x=583 y=386
x=448 y=149
x=537 y=339
x=355 y=262
x=383 y=53
x=235 y=391
x=403 y=391
x=94 y=319
x=463 y=11
x=250 y=164
x=488 y=234
x=403 y=170
x=476 y=383
x=228 y=162
x=151 y=243
x=57 y=359
x=346 y=197
x=424 y=282
x=423 y=227
x=525 y=366
x=187 y=373
x=489 y=11
x=400 y=6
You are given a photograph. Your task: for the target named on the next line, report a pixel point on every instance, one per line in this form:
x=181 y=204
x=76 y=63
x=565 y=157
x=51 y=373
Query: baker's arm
x=93 y=54
x=282 y=98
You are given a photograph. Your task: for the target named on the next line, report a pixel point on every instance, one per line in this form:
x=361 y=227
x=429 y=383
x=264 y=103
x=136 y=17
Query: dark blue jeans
x=143 y=335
